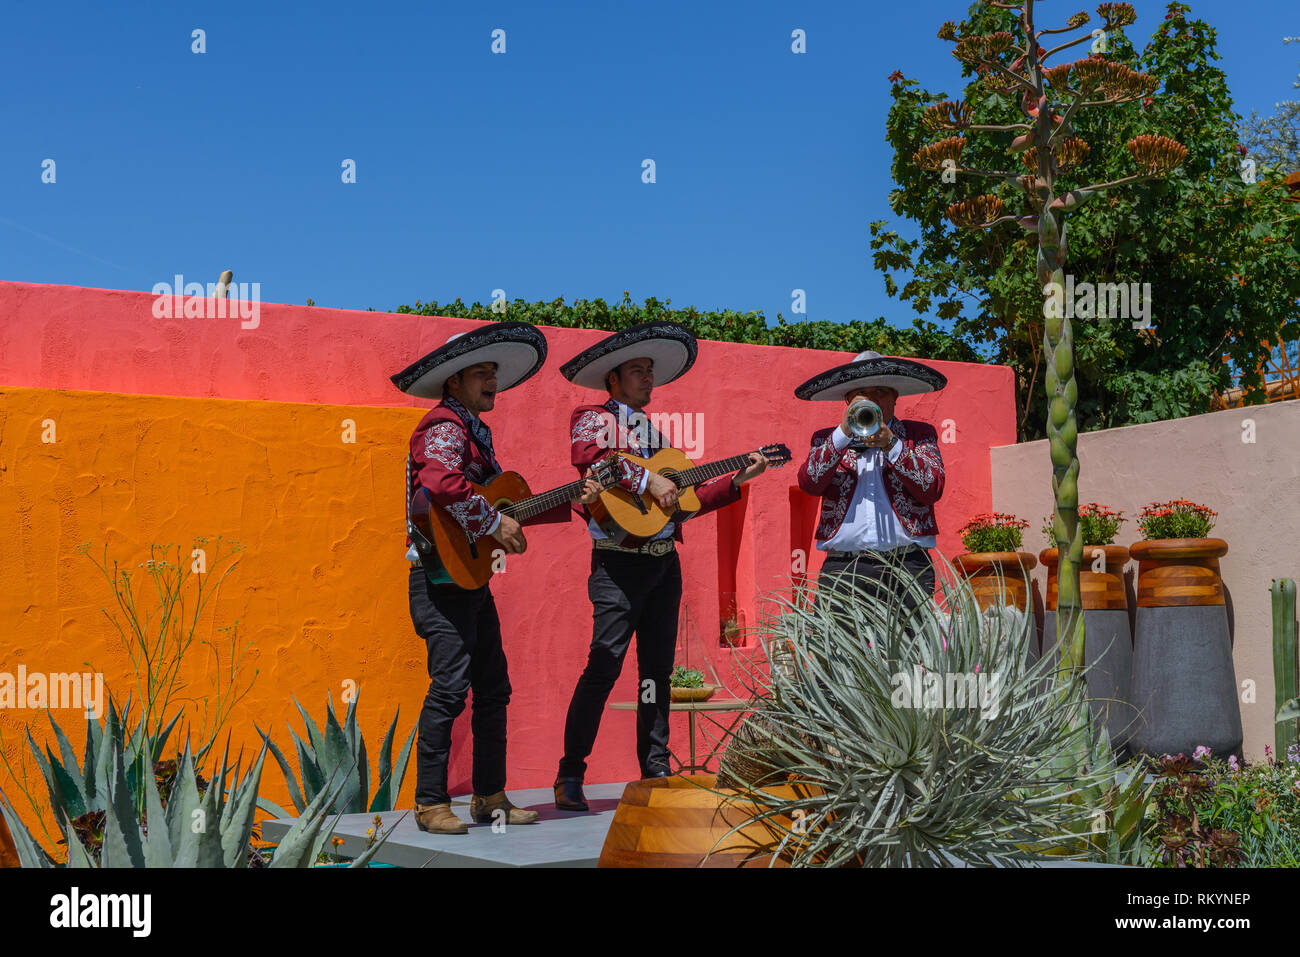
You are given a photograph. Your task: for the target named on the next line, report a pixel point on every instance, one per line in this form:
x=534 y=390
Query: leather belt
x=657 y=547
x=868 y=553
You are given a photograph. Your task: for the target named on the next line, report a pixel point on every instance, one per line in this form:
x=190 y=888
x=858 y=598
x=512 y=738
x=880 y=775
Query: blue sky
x=477 y=171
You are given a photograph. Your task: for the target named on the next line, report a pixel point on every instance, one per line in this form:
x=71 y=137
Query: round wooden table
x=705 y=710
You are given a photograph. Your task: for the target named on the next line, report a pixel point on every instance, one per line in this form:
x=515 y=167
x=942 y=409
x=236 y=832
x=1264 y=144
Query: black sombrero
x=518 y=349
x=870 y=369
x=669 y=345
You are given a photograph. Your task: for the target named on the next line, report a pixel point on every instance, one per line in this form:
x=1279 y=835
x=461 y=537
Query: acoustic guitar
x=621 y=514
x=470 y=564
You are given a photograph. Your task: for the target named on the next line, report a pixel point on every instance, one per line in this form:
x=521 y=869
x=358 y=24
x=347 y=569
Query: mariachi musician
x=634 y=586
x=878 y=491
x=450 y=448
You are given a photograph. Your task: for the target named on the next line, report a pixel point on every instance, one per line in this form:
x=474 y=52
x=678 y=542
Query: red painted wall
x=61 y=338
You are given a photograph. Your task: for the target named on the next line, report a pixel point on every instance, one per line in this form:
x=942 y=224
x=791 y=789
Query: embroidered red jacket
x=444 y=459
x=914 y=482
x=595 y=429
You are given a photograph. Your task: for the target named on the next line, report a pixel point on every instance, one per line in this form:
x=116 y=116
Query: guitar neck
x=702 y=473
x=535 y=505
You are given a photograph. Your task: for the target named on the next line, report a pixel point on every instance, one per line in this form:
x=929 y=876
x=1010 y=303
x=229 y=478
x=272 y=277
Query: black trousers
x=629 y=593
x=462 y=633
x=885 y=577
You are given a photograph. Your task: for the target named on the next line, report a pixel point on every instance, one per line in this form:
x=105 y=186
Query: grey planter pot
x=1184 y=683
x=1108 y=655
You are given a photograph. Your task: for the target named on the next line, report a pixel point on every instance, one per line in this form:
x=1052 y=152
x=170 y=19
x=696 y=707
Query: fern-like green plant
x=339 y=753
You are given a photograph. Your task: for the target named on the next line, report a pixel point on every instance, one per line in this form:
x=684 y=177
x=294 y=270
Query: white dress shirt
x=870 y=521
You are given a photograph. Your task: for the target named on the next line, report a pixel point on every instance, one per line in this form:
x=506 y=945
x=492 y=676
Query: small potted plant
x=687 y=684
x=993 y=564
x=1108 y=639
x=1183 y=677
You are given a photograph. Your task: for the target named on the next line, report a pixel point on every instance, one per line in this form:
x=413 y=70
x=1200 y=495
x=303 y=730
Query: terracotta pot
x=1107 y=641
x=983 y=571
x=1184 y=682
x=676 y=821
x=692 y=694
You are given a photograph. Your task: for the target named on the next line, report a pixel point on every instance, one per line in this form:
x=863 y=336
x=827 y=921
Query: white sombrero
x=870 y=369
x=669 y=345
x=518 y=349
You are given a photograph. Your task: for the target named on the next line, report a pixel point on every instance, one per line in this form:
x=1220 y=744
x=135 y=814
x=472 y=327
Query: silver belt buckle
x=660 y=547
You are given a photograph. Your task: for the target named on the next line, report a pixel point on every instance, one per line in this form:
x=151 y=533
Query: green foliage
x=1099 y=524
x=1010 y=773
x=339 y=754
x=683 y=677
x=1177 y=519
x=1222 y=256
x=992 y=532
x=922 y=340
x=1208 y=812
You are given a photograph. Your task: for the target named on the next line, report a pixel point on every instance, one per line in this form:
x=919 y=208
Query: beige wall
x=1253 y=485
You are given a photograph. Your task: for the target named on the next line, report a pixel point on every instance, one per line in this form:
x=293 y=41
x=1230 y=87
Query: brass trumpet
x=865 y=419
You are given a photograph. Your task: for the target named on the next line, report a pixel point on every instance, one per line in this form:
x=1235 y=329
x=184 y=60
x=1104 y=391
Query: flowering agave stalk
x=1050 y=96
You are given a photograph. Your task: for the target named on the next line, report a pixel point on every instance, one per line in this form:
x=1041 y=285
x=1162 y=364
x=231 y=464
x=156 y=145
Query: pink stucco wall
x=338 y=362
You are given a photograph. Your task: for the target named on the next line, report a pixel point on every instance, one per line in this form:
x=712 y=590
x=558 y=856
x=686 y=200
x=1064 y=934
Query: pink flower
x=1201 y=752
x=1232 y=762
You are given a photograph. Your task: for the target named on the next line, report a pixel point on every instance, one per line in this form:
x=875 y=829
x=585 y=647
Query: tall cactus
x=1284 y=661
x=1013 y=62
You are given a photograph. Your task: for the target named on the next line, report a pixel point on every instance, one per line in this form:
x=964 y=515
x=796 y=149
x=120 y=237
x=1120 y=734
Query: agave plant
x=196 y=827
x=339 y=753
x=77 y=790
x=922 y=738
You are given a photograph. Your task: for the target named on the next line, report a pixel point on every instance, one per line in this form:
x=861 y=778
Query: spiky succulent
x=884 y=775
x=340 y=753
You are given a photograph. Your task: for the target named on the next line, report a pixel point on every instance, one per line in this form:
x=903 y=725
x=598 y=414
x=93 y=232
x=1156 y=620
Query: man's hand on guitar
x=591 y=489
x=757 y=464
x=511 y=535
x=663 y=490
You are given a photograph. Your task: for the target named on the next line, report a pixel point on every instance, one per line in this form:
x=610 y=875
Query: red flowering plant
x=992 y=532
x=1100 y=524
x=1177 y=519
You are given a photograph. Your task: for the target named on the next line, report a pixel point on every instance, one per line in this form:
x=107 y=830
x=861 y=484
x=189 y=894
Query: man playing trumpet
x=878 y=477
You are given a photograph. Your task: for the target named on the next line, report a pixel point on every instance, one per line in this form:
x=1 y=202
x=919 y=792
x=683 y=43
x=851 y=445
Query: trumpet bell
x=865 y=419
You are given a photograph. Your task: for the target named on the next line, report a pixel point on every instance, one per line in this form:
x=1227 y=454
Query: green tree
x=1221 y=254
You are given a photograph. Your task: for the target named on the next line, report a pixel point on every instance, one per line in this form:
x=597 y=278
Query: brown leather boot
x=482 y=810
x=438 y=819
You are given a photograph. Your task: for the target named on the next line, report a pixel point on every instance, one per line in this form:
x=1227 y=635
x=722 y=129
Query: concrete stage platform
x=559 y=839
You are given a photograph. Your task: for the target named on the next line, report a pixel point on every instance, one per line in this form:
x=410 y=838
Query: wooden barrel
x=1097 y=590
x=8 y=853
x=1179 y=571
x=677 y=821
x=998 y=578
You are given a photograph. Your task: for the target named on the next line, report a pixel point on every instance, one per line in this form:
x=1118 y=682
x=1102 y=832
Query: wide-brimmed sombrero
x=870 y=369
x=518 y=349
x=671 y=346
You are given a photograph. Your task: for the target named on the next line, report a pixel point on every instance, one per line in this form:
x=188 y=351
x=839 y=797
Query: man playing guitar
x=450 y=448
x=634 y=586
